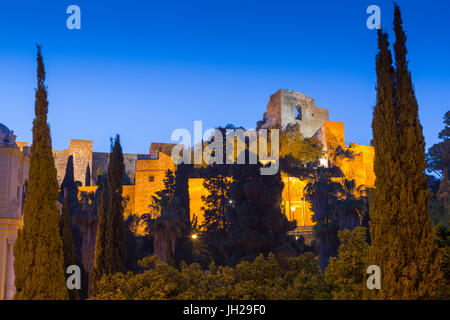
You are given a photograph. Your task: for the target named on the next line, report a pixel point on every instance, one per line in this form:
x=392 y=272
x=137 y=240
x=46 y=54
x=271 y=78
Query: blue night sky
x=145 y=68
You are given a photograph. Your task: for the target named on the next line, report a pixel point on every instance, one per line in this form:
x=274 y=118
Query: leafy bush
x=263 y=279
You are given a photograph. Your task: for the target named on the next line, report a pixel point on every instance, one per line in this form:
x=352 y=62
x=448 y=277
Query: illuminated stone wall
x=196 y=190
x=82 y=153
x=294 y=204
x=60 y=157
x=355 y=161
x=334 y=134
x=128 y=193
x=149 y=179
x=138 y=197
x=81 y=150
x=285 y=106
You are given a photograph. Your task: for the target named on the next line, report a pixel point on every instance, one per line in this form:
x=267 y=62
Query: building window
x=298 y=112
x=151 y=178
x=24 y=192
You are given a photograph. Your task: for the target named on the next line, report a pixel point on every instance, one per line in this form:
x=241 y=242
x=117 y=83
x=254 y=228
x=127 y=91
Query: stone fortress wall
x=145 y=174
x=100 y=162
x=287 y=107
x=146 y=171
x=82 y=153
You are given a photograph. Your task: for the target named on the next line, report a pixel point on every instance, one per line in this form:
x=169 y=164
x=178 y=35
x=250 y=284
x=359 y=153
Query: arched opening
x=298 y=112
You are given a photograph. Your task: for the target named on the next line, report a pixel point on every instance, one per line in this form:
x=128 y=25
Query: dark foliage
x=115 y=235
x=38 y=250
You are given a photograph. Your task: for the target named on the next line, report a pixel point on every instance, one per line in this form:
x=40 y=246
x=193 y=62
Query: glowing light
x=292 y=208
x=194 y=236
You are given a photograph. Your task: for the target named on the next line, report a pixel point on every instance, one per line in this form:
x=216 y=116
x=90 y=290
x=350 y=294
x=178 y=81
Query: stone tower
x=290 y=107
x=81 y=150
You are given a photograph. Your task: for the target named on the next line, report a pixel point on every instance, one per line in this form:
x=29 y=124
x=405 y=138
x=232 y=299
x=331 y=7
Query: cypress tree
x=183 y=246
x=216 y=201
x=69 y=193
x=400 y=228
x=385 y=202
x=182 y=186
x=69 y=177
x=67 y=239
x=100 y=260
x=88 y=176
x=69 y=187
x=115 y=235
x=419 y=274
x=39 y=260
x=162 y=198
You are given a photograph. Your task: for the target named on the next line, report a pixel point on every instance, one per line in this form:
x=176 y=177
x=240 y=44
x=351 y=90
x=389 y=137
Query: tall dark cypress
x=182 y=186
x=418 y=273
x=115 y=236
x=69 y=187
x=38 y=252
x=183 y=246
x=400 y=229
x=67 y=239
x=88 y=176
x=100 y=260
x=69 y=177
x=385 y=202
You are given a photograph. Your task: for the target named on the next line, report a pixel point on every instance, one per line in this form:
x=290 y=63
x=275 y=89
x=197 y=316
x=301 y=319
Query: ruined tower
x=290 y=107
x=81 y=150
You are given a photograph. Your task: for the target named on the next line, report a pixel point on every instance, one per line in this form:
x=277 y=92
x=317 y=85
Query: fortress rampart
x=146 y=171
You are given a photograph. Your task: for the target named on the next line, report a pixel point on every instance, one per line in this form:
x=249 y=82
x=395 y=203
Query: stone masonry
x=290 y=107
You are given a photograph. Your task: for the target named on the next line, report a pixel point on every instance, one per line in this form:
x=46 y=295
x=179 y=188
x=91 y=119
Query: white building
x=14 y=166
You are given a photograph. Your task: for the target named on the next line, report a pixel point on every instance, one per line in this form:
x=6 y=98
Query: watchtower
x=290 y=107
